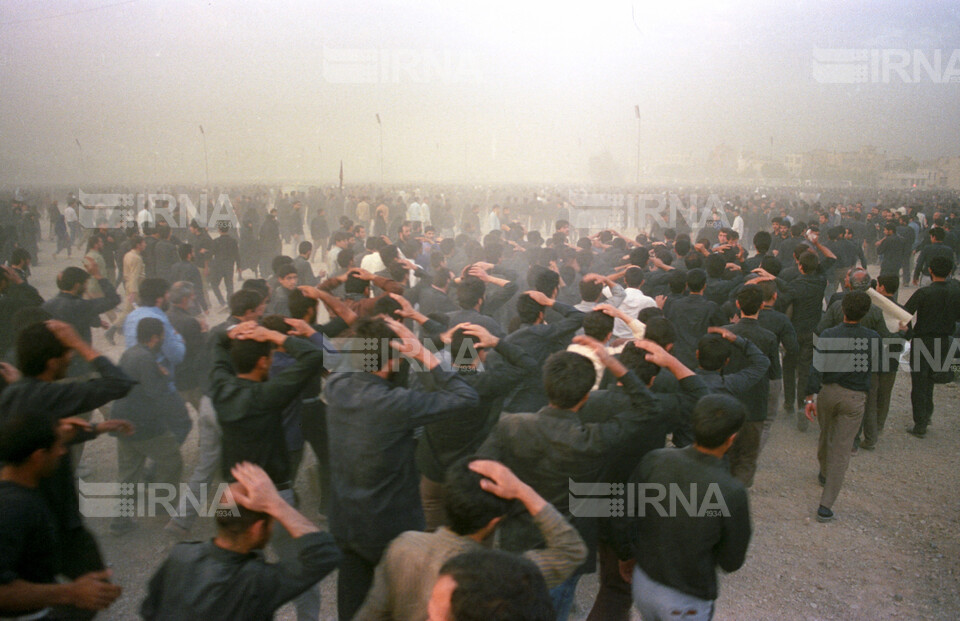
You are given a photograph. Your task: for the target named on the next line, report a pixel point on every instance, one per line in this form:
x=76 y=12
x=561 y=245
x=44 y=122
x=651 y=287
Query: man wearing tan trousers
x=840 y=377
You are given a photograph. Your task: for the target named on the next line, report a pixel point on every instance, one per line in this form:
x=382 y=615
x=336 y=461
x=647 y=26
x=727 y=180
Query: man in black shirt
x=937 y=307
x=227 y=577
x=672 y=558
x=891 y=249
x=806 y=307
x=936 y=248
x=44 y=351
x=842 y=382
x=692 y=315
x=225 y=259
x=31 y=447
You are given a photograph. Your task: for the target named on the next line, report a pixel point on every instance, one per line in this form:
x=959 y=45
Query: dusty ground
x=892 y=553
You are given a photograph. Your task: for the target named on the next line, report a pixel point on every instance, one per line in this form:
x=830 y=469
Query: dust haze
x=508 y=92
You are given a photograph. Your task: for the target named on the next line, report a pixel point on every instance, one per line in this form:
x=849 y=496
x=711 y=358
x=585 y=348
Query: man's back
x=200 y=580
x=683 y=550
x=691 y=315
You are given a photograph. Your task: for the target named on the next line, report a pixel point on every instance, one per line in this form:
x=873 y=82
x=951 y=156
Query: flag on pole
x=378 y=118
x=341 y=175
x=201 y=130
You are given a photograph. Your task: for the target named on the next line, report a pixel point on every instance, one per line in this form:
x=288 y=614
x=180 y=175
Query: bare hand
x=299 y=327
x=660 y=300
x=540 y=298
x=626 y=570
x=309 y=292
x=122 y=426
x=485 y=339
x=91 y=266
x=727 y=334
x=597 y=347
x=9 y=373
x=499 y=480
x=93 y=591
x=65 y=333
x=256 y=491
x=811 y=409
x=406 y=308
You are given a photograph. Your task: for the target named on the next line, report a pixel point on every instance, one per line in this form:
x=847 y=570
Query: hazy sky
x=495 y=91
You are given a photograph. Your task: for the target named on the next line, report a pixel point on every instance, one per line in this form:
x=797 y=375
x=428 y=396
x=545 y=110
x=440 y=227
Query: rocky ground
x=893 y=551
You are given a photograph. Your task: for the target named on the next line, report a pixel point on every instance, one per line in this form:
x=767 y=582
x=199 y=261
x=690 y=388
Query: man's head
x=568 y=378
x=635 y=359
x=470 y=293
x=150 y=333
x=762 y=241
x=287 y=276
x=246 y=305
x=716 y=420
x=182 y=295
x=749 y=300
x=305 y=248
x=73 y=280
x=696 y=280
x=470 y=509
x=153 y=292
x=31 y=442
x=808 y=263
x=529 y=311
x=888 y=284
x=937 y=235
x=186 y=252
x=490 y=585
x=857 y=279
x=855 y=305
x=598 y=325
x=242 y=527
x=39 y=351
x=251 y=358
x=302 y=307
x=713 y=352
x=633 y=277
x=940 y=267
x=377 y=357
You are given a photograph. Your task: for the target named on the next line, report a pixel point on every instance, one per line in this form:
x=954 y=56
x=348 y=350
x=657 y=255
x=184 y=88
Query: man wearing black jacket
x=671 y=559
x=43 y=353
x=806 y=297
x=445 y=441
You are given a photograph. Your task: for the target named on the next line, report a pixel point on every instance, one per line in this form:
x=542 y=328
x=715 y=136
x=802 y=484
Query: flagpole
x=380 y=125
x=206 y=163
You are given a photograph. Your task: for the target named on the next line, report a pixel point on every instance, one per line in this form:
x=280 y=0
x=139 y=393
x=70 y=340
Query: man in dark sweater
x=692 y=315
x=671 y=558
x=842 y=381
x=806 y=306
x=936 y=248
x=745 y=451
x=937 y=307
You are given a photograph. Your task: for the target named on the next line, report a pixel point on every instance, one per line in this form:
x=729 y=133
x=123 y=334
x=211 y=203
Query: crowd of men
x=470 y=374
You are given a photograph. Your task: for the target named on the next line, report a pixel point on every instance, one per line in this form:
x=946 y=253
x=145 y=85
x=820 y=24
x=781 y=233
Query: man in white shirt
x=493 y=220
x=634 y=301
x=72 y=221
x=737 y=223
x=414 y=213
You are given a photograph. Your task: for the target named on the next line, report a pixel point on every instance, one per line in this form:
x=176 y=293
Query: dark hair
x=941 y=267
x=239 y=523
x=696 y=280
x=463 y=350
x=528 y=309
x=713 y=351
x=147 y=328
x=547 y=282
x=285 y=270
x=809 y=262
x=890 y=282
x=716 y=417
x=279 y=260
x=598 y=325
x=660 y=331
x=70 y=277
x=493 y=585
x=771 y=264
x=246 y=353
x=304 y=247
x=386 y=305
x=151 y=289
x=762 y=241
x=354 y=285
x=18 y=255
x=184 y=251
x=855 y=305
x=938 y=234
x=640 y=256
x=714 y=265
x=567 y=378
x=36 y=344
x=468 y=506
x=750 y=299
x=345 y=257
x=23 y=434
x=257 y=285
x=635 y=359
x=633 y=277
x=300 y=304
x=441 y=278
x=244 y=301
x=470 y=292
x=276 y=323
x=677 y=281
x=373 y=331
x=648 y=313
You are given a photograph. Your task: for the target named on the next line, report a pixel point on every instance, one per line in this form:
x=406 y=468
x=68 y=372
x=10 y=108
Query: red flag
x=341 y=175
